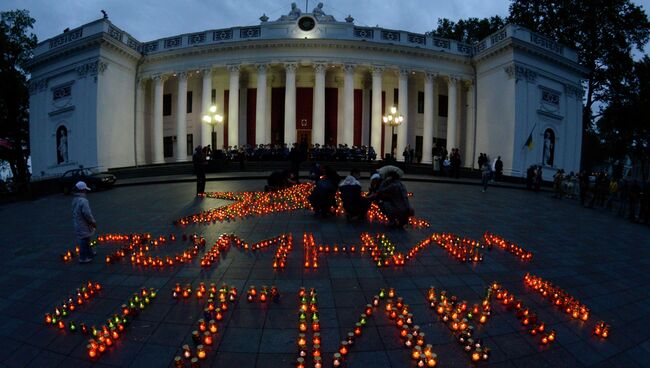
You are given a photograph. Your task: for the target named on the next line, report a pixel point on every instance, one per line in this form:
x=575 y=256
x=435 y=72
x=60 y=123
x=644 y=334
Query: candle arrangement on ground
x=262 y=203
x=564 y=301
x=382 y=250
x=284 y=244
x=207 y=327
x=526 y=316
x=495 y=240
x=311 y=251
x=81 y=296
x=252 y=204
x=463 y=249
x=138 y=252
x=105 y=336
x=398 y=312
x=458 y=317
x=308 y=322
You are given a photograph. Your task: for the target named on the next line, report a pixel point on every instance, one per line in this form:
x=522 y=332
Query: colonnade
x=263 y=129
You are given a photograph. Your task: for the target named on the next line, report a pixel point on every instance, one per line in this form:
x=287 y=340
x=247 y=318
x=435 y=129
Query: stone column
x=452 y=103
x=318 y=119
x=375 y=120
x=206 y=102
x=139 y=121
x=233 y=106
x=157 y=139
x=348 y=103
x=290 y=104
x=260 y=107
x=470 y=133
x=430 y=85
x=403 y=109
x=181 y=118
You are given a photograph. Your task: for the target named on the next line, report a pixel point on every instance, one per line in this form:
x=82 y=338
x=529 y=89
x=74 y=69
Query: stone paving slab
x=598 y=258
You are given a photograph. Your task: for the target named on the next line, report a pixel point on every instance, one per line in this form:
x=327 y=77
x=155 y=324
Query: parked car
x=93 y=180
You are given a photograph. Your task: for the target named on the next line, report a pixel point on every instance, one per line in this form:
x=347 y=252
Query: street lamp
x=213 y=119
x=393 y=120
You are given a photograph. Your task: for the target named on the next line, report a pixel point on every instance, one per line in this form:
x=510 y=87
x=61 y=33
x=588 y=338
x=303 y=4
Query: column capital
x=452 y=79
x=160 y=77
x=349 y=68
x=261 y=68
x=430 y=76
x=291 y=67
x=234 y=68
x=182 y=75
x=206 y=71
x=469 y=83
x=320 y=67
x=404 y=73
x=378 y=70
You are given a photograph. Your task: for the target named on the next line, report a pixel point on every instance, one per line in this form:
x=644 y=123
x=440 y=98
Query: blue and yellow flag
x=529 y=142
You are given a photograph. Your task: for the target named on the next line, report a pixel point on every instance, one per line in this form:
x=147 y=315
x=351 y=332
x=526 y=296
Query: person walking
x=83 y=221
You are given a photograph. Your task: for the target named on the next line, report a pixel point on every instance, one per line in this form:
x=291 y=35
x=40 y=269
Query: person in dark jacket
x=198 y=160
x=498 y=169
x=355 y=205
x=393 y=200
x=323 y=197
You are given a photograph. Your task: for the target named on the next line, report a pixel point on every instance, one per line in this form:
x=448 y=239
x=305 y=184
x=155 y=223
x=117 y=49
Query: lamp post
x=393 y=120
x=213 y=119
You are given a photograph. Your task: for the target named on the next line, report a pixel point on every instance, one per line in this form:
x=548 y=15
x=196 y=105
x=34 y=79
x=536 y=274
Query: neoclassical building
x=101 y=98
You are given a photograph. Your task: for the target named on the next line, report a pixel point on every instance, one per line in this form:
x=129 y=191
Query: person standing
x=199 y=169
x=498 y=169
x=83 y=221
x=486 y=173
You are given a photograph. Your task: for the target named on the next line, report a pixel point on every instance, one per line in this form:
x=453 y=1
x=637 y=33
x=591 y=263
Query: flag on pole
x=529 y=142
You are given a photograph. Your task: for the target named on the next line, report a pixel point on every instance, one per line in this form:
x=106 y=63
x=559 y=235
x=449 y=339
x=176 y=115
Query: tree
x=16 y=47
x=604 y=32
x=625 y=123
x=469 y=30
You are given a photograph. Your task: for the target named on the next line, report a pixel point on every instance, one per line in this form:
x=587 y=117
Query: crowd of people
x=316 y=152
x=624 y=196
x=386 y=189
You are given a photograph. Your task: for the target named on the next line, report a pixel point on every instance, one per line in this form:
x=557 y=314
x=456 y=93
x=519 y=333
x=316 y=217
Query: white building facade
x=101 y=98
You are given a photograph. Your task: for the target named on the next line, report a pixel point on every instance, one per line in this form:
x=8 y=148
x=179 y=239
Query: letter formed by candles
x=103 y=338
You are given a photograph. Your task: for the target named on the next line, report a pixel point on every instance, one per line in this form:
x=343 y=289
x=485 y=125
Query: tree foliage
x=625 y=124
x=16 y=45
x=469 y=30
x=604 y=32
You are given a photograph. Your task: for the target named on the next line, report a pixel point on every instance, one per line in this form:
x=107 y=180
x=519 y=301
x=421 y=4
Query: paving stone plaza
x=599 y=259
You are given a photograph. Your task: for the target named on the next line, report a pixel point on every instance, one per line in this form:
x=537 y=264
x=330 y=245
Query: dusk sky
x=152 y=19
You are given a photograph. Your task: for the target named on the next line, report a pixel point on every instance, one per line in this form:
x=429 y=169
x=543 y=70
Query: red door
x=331 y=115
x=277 y=115
x=304 y=111
x=251 y=108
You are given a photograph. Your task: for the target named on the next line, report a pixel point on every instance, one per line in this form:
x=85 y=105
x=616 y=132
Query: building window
x=61 y=92
x=214 y=97
x=167 y=104
x=190 y=144
x=189 y=102
x=443 y=106
x=420 y=102
x=396 y=97
x=168 y=146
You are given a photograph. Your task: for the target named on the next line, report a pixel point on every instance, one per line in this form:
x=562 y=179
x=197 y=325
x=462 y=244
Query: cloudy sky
x=152 y=19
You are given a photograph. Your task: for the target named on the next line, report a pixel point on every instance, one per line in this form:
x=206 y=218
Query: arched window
x=62 y=145
x=548 y=154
